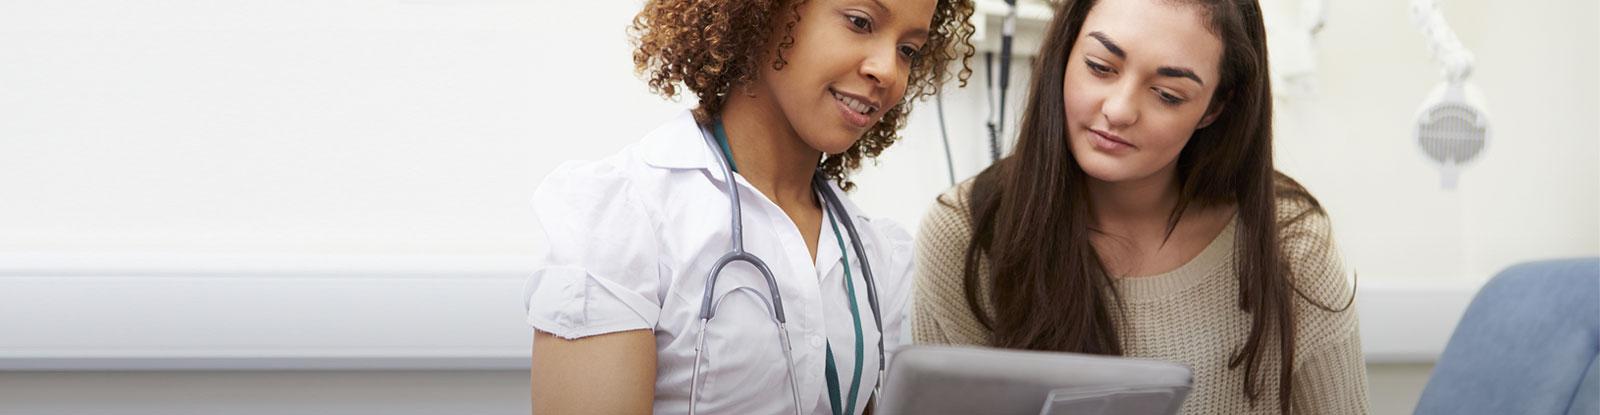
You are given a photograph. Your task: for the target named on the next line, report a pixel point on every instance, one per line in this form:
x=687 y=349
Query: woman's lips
x=854 y=118
x=1108 y=142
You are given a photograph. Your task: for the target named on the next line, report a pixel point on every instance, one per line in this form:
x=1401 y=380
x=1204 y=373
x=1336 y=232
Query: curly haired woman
x=790 y=93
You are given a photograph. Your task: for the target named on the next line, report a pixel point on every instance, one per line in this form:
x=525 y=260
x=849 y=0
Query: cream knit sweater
x=1189 y=315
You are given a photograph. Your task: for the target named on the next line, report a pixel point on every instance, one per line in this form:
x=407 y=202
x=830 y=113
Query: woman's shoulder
x=942 y=242
x=618 y=189
x=588 y=182
x=1301 y=219
x=1316 y=265
x=943 y=314
x=631 y=173
x=949 y=218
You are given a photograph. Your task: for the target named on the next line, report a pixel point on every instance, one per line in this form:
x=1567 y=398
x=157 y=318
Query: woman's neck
x=1136 y=206
x=768 y=151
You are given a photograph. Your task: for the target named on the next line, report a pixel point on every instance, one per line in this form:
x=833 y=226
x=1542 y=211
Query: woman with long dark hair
x=1140 y=215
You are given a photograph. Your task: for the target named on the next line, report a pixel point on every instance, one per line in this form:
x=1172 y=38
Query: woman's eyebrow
x=1178 y=72
x=1110 y=45
x=1169 y=71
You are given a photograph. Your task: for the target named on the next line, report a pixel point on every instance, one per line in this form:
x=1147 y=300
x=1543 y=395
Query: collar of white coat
x=678 y=144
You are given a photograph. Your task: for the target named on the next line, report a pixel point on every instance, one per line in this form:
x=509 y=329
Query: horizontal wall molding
x=269 y=265
x=374 y=312
x=1409 y=321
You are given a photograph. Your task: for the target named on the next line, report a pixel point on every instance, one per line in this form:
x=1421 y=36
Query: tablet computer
x=969 y=380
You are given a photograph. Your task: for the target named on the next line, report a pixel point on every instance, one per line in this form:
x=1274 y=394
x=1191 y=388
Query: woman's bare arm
x=612 y=373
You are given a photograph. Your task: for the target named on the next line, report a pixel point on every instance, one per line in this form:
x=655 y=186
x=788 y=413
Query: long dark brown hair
x=1031 y=218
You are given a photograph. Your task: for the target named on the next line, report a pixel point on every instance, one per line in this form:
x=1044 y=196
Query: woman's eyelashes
x=1167 y=98
x=910 y=52
x=863 y=24
x=1098 y=69
x=860 y=23
x=1103 y=71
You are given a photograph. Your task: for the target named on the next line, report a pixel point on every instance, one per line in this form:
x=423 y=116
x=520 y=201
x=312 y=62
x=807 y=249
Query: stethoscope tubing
x=738 y=254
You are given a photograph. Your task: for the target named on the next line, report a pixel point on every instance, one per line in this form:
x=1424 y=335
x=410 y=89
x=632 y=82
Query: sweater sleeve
x=941 y=314
x=1333 y=379
x=1330 y=374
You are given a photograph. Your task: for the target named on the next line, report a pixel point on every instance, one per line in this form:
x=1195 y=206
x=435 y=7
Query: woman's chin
x=833 y=145
x=1108 y=171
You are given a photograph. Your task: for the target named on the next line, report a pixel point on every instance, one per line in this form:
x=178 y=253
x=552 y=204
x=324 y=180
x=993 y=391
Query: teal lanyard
x=831 y=370
x=855 y=315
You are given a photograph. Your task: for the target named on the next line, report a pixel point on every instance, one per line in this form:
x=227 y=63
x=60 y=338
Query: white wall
x=397 y=127
x=1533 y=193
x=356 y=126
x=208 y=135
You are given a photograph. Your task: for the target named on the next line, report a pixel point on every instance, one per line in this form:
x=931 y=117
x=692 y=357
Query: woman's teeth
x=854 y=104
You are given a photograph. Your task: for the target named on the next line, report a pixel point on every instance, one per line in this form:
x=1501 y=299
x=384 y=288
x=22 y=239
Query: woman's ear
x=1211 y=114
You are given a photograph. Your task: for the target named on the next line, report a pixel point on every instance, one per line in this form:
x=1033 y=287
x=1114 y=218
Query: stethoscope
x=738 y=254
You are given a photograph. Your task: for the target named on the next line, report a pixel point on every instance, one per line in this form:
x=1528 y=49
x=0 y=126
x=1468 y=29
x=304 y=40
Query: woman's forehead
x=1156 y=32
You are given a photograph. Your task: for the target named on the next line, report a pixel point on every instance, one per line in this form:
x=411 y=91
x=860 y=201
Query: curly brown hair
x=712 y=46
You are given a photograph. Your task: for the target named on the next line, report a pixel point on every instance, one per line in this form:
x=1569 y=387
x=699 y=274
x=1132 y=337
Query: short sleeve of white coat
x=897 y=282
x=599 y=271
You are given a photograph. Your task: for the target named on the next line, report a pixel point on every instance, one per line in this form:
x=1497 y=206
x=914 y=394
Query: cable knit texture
x=1189 y=315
